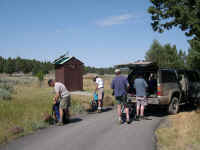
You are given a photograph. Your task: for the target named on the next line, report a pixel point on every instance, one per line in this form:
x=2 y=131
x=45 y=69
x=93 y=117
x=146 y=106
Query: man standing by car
x=120 y=86
x=62 y=96
x=100 y=92
x=140 y=85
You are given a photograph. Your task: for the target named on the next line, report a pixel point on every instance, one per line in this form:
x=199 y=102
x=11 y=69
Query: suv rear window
x=168 y=76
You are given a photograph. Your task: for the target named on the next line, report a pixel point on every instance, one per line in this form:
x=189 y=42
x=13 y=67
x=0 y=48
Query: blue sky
x=101 y=33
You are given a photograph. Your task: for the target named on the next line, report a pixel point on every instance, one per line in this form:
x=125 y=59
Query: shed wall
x=71 y=74
x=60 y=74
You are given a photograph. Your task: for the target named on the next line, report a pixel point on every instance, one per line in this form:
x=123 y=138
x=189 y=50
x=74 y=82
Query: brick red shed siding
x=71 y=74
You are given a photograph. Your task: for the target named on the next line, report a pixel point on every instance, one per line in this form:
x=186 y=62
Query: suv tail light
x=159 y=90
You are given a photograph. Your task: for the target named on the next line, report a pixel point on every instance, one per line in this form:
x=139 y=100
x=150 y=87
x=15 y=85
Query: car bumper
x=152 y=101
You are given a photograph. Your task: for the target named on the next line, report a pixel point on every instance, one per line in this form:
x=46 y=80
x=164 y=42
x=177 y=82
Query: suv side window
x=168 y=76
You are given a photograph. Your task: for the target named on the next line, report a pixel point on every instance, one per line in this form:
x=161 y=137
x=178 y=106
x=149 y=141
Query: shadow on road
x=75 y=120
x=106 y=109
x=161 y=111
x=156 y=111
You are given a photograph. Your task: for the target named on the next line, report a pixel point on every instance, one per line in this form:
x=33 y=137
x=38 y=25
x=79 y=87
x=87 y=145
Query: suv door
x=193 y=85
x=169 y=84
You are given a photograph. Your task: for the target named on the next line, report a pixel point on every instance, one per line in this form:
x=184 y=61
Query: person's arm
x=112 y=85
x=134 y=85
x=96 y=87
x=145 y=83
x=56 y=98
x=127 y=85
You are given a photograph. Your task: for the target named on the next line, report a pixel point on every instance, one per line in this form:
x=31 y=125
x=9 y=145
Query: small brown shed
x=69 y=71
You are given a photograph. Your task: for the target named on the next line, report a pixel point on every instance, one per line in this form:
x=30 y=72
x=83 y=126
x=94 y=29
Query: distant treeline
x=18 y=64
x=12 y=65
x=100 y=71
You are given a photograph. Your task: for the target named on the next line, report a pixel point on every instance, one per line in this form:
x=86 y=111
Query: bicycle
x=132 y=109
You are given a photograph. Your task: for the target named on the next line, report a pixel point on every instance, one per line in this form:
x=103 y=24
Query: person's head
x=51 y=83
x=95 y=78
x=117 y=71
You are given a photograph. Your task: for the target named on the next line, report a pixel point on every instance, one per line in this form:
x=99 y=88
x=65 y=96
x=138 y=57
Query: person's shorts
x=141 y=101
x=65 y=102
x=121 y=100
x=100 y=94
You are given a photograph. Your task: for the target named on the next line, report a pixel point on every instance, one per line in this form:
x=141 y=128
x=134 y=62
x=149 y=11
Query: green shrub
x=4 y=94
x=40 y=76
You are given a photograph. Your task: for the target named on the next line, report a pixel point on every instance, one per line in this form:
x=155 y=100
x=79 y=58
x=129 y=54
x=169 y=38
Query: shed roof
x=63 y=59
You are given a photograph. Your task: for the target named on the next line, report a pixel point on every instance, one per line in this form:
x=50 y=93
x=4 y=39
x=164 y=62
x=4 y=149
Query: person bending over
x=62 y=96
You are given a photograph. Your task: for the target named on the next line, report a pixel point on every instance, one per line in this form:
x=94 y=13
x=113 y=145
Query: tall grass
x=181 y=133
x=30 y=104
x=26 y=110
x=7 y=85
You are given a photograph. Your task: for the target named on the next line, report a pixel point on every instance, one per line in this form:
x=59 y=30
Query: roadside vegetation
x=180 y=131
x=28 y=105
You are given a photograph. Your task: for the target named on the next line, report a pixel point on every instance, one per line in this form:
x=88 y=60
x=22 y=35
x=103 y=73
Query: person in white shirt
x=100 y=91
x=62 y=96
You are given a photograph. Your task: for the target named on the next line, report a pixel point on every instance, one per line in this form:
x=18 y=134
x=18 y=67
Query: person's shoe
x=128 y=121
x=99 y=111
x=142 y=118
x=120 y=121
x=137 y=118
x=60 y=123
x=145 y=118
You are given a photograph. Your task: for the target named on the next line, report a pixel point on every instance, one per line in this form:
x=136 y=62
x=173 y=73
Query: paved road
x=93 y=132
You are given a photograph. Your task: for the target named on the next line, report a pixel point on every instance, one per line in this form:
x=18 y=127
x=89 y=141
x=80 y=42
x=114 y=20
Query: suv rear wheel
x=173 y=106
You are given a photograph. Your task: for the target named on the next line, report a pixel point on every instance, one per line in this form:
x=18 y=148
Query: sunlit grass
x=30 y=103
x=182 y=133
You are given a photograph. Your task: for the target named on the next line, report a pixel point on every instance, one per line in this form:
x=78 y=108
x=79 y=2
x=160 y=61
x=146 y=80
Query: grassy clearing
x=181 y=132
x=27 y=109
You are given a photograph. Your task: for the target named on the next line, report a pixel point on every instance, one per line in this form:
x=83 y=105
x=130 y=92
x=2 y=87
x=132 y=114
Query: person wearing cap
x=120 y=86
x=99 y=89
x=62 y=96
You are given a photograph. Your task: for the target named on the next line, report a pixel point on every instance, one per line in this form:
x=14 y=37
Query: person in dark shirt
x=152 y=84
x=120 y=85
x=140 y=87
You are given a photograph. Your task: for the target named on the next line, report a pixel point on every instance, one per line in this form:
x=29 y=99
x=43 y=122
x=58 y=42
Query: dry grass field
x=29 y=105
x=181 y=132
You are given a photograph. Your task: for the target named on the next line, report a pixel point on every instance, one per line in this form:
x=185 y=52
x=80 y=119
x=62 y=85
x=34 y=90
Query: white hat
x=117 y=70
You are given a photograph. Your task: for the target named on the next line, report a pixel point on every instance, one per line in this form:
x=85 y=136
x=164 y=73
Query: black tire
x=93 y=106
x=132 y=109
x=173 y=106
